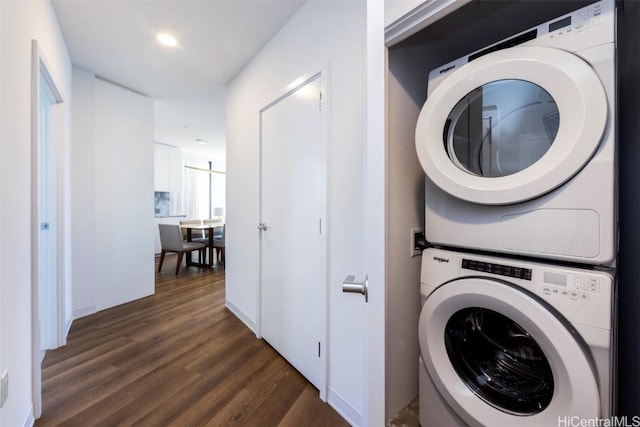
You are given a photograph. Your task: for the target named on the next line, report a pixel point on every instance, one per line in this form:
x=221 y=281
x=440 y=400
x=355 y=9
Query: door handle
x=262 y=226
x=351 y=286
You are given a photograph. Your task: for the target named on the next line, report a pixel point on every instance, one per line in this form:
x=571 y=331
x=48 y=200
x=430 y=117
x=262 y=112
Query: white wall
x=124 y=195
x=1 y=235
x=20 y=23
x=405 y=210
x=395 y=9
x=330 y=35
x=82 y=185
x=112 y=169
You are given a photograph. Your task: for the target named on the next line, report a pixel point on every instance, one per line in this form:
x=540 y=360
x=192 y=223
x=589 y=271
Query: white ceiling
x=115 y=39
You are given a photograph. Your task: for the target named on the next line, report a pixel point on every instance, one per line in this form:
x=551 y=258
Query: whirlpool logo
x=440 y=259
x=445 y=70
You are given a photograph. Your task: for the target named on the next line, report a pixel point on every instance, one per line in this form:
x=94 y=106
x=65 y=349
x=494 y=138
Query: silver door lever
x=351 y=286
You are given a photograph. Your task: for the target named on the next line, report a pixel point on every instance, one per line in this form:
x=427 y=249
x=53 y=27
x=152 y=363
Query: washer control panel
x=499 y=269
x=583 y=296
x=571 y=286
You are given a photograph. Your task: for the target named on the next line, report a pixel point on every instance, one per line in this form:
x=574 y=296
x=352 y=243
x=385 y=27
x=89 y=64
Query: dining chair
x=171 y=241
x=218 y=243
x=198 y=236
x=217 y=231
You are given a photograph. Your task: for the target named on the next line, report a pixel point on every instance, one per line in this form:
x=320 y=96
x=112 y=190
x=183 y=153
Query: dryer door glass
x=501 y=128
x=512 y=125
x=499 y=361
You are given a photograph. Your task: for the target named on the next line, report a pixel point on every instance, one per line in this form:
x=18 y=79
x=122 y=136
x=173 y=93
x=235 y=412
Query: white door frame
x=299 y=83
x=40 y=70
x=375 y=216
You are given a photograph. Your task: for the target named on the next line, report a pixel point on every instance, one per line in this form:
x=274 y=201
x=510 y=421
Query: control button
x=565 y=292
x=573 y=294
x=556 y=290
x=584 y=295
x=546 y=289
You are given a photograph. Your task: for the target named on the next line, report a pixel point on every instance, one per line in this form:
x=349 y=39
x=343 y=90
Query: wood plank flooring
x=177 y=358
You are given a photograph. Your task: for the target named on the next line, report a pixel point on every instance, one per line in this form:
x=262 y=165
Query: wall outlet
x=418 y=241
x=4 y=388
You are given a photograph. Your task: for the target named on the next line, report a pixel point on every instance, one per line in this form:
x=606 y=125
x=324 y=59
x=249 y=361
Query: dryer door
x=499 y=355
x=511 y=125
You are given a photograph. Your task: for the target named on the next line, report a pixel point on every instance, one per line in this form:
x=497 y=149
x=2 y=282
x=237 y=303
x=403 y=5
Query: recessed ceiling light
x=167 y=39
x=202 y=141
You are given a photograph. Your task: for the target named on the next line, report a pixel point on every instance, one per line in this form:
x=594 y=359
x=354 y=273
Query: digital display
x=499 y=269
x=555 y=278
x=564 y=22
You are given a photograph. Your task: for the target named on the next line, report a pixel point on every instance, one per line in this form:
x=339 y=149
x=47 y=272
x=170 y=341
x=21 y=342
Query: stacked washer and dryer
x=518 y=144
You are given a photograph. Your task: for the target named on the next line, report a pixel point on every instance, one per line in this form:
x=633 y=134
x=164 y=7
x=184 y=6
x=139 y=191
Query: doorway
x=293 y=229
x=47 y=290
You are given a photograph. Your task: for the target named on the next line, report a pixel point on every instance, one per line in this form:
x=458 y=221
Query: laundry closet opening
x=410 y=59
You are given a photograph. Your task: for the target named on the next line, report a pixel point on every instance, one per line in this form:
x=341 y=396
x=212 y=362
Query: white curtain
x=218 y=194
x=197 y=189
x=204 y=199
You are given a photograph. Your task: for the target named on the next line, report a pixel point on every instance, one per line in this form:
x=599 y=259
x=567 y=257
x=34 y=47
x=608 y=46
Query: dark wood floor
x=177 y=358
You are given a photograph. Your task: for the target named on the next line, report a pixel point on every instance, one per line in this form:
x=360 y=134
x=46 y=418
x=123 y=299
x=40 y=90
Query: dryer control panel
x=589 y=26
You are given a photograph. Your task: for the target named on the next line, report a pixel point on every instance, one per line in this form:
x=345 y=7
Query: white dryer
x=518 y=143
x=510 y=343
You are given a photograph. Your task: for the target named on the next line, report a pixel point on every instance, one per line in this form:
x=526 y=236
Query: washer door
x=512 y=125
x=500 y=356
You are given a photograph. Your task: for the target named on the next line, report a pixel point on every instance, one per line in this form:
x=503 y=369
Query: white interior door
x=293 y=242
x=47 y=241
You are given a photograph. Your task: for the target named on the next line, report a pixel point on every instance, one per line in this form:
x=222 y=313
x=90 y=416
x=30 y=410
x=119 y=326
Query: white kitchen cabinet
x=161 y=167
x=167 y=168
x=175 y=170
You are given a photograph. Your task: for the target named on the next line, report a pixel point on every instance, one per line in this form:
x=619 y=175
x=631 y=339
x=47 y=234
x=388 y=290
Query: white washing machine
x=513 y=343
x=518 y=143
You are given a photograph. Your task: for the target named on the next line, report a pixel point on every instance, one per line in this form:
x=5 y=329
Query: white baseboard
x=29 y=421
x=67 y=328
x=83 y=311
x=251 y=324
x=342 y=407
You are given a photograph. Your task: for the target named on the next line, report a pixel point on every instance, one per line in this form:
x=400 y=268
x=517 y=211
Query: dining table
x=205 y=225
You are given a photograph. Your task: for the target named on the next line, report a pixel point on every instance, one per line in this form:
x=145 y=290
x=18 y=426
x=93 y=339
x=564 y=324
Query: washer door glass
x=499 y=361
x=501 y=128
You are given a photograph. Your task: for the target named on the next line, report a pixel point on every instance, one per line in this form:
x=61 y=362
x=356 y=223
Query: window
x=205 y=189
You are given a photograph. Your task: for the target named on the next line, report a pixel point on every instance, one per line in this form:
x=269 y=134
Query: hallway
x=178 y=358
